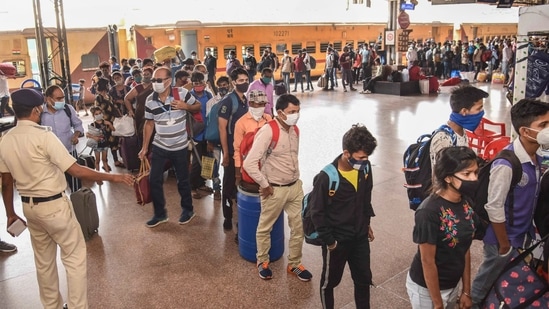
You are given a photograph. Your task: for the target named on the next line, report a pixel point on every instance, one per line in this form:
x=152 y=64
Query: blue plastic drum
x=249 y=208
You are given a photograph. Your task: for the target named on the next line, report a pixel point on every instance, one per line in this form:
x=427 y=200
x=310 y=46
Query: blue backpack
x=417 y=166
x=311 y=235
x=212 y=120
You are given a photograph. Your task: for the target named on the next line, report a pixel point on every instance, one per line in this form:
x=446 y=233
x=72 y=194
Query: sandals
x=119 y=164
x=107 y=168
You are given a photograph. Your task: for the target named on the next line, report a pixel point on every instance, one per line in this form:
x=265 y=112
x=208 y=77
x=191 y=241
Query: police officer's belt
x=36 y=200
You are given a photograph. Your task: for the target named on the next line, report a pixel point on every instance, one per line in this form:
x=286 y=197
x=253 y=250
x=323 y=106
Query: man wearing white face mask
x=65 y=124
x=167 y=115
x=279 y=186
x=251 y=121
x=511 y=226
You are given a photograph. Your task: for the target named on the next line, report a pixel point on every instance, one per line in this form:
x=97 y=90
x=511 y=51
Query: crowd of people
x=176 y=103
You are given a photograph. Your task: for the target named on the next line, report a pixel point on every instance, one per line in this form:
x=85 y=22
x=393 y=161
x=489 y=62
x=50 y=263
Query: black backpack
x=417 y=166
x=481 y=195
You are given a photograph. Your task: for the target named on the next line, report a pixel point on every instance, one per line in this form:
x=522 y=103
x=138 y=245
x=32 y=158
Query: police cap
x=27 y=97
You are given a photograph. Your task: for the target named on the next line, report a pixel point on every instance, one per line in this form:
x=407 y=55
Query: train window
x=149 y=40
x=280 y=48
x=351 y=44
x=361 y=43
x=227 y=49
x=296 y=47
x=323 y=47
x=337 y=45
x=263 y=46
x=90 y=62
x=248 y=46
x=213 y=49
x=311 y=47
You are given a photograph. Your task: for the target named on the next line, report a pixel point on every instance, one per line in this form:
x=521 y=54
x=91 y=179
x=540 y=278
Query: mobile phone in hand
x=17 y=227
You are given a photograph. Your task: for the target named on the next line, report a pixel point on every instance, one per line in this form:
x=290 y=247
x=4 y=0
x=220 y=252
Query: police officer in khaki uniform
x=33 y=156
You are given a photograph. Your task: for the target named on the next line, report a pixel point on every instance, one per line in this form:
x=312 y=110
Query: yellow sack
x=208 y=164
x=164 y=53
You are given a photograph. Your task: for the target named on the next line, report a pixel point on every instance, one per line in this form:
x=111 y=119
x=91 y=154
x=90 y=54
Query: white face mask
x=158 y=87
x=291 y=119
x=257 y=112
x=543 y=139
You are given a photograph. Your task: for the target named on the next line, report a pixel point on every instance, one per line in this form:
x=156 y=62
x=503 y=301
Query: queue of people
x=162 y=100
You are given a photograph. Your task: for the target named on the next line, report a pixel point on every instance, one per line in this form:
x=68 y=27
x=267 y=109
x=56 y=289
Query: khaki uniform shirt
x=36 y=158
x=281 y=167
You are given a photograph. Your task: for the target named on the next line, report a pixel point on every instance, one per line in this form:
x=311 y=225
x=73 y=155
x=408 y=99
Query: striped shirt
x=170 y=124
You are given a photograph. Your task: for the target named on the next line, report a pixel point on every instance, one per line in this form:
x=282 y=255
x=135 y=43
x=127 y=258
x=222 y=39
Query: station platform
x=198 y=265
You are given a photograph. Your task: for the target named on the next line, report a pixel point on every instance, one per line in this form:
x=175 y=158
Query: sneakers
x=300 y=271
x=228 y=224
x=5 y=247
x=156 y=221
x=265 y=272
x=186 y=218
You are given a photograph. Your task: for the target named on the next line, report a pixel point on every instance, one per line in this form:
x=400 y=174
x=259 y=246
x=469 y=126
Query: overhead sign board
x=407 y=6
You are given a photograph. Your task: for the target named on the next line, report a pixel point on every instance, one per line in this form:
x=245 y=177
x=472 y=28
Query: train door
x=189 y=42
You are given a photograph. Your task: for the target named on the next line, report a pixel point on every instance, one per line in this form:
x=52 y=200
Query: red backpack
x=248 y=141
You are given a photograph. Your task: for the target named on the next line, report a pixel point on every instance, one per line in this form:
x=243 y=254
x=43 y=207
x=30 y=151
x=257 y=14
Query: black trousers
x=357 y=254
x=228 y=194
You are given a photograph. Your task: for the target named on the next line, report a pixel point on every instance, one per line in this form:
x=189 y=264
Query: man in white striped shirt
x=167 y=115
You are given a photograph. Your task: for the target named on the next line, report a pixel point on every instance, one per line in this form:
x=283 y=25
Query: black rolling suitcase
x=129 y=150
x=85 y=210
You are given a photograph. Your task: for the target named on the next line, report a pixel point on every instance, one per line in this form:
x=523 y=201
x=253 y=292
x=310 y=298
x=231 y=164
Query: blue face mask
x=469 y=122
x=59 y=105
x=266 y=80
x=359 y=165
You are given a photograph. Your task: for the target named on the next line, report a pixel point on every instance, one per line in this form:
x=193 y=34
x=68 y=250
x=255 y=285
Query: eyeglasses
x=159 y=80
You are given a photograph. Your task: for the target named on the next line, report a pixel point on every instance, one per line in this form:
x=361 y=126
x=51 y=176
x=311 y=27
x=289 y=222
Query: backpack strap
x=333 y=176
x=448 y=130
x=234 y=107
x=69 y=114
x=276 y=134
x=512 y=158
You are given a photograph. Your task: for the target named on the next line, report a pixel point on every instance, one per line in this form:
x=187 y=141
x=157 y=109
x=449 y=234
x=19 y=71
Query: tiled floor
x=198 y=265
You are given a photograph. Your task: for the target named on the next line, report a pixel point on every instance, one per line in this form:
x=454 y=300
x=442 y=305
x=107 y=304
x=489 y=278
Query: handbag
x=123 y=126
x=208 y=164
x=142 y=184
x=519 y=286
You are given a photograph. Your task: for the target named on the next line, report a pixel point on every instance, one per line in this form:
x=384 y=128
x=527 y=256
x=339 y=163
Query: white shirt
x=4 y=88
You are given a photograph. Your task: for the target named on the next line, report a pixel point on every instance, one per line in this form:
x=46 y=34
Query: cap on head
x=27 y=97
x=257 y=96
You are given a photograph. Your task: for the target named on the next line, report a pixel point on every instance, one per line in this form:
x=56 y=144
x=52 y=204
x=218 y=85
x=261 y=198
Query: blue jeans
x=488 y=272
x=298 y=79
x=286 y=79
x=308 y=80
x=330 y=77
x=180 y=163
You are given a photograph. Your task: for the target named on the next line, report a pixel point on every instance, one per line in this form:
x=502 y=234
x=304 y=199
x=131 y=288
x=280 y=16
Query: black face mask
x=468 y=187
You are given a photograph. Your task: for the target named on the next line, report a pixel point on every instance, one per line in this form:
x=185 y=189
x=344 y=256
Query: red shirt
x=414 y=73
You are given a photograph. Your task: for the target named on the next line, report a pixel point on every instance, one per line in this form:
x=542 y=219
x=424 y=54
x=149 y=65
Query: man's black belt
x=286 y=185
x=36 y=200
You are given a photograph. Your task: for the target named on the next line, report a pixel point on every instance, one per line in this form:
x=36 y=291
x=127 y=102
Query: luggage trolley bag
x=85 y=210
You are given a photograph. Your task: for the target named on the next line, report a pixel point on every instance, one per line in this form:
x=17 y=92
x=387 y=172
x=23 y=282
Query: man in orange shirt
x=255 y=118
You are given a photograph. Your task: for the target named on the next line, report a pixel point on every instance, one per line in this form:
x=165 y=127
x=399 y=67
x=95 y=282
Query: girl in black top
x=445 y=226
